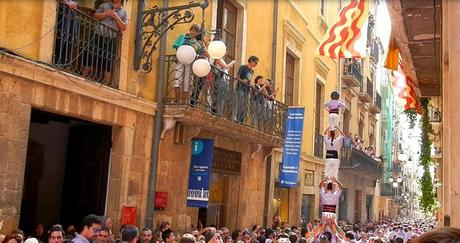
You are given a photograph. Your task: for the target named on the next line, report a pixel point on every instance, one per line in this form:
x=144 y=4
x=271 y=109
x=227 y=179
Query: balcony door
x=227 y=16
x=289 y=80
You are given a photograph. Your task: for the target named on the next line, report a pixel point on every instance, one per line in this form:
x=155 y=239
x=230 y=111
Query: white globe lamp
x=185 y=54
x=395 y=184
x=201 y=67
x=399 y=180
x=217 y=49
x=390 y=179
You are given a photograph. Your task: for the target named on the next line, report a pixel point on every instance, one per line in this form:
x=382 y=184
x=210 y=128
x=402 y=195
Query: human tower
x=330 y=187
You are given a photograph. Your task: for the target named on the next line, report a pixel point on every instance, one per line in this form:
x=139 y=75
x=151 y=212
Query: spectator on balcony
x=347 y=145
x=66 y=32
x=258 y=98
x=183 y=71
x=113 y=18
x=244 y=76
x=206 y=81
x=222 y=82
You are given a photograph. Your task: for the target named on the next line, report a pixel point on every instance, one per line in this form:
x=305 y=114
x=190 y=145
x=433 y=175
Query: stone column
x=450 y=114
x=14 y=134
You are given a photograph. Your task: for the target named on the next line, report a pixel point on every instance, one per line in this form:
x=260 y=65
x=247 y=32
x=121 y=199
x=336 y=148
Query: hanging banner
x=292 y=148
x=200 y=173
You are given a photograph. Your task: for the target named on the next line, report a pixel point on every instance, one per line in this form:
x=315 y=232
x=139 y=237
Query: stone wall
x=246 y=191
x=52 y=92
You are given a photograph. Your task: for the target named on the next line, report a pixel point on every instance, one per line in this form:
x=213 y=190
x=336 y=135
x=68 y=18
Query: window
x=227 y=15
x=322 y=7
x=289 y=79
x=318 y=148
x=361 y=126
x=309 y=178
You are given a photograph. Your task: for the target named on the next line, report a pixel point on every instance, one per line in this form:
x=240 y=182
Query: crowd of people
x=97 y=229
x=355 y=141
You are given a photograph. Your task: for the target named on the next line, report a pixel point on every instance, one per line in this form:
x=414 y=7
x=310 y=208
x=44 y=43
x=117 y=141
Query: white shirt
x=335 y=144
x=329 y=198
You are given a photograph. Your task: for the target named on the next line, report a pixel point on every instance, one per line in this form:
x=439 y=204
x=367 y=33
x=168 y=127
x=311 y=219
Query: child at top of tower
x=334 y=106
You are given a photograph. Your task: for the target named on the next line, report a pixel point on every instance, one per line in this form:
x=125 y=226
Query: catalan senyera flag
x=347 y=37
x=405 y=90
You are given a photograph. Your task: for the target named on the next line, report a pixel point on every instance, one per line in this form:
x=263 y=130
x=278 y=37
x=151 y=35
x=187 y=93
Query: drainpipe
x=156 y=129
x=268 y=163
x=275 y=41
x=138 y=41
x=268 y=181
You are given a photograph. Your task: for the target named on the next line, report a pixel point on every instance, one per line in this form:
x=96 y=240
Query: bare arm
x=70 y=4
x=338 y=183
x=327 y=130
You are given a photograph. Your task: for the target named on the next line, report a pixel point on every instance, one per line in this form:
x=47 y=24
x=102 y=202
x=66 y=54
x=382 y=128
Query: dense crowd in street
x=96 y=229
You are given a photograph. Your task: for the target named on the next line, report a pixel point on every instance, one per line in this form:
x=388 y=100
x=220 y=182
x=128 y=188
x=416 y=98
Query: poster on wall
x=292 y=148
x=200 y=173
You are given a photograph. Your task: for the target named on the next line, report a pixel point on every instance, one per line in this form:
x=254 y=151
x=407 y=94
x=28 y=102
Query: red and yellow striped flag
x=347 y=37
x=405 y=90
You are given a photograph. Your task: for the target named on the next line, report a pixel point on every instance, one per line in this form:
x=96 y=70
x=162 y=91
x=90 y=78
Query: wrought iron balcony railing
x=319 y=145
x=378 y=101
x=356 y=159
x=85 y=47
x=366 y=93
x=224 y=96
x=352 y=75
x=370 y=88
x=374 y=52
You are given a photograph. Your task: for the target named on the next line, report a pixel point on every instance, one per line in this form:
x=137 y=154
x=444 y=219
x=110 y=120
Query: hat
x=209 y=236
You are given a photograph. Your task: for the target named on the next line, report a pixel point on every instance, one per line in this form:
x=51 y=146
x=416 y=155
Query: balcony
x=352 y=76
x=374 y=52
x=386 y=189
x=319 y=144
x=376 y=107
x=84 y=47
x=221 y=102
x=366 y=91
x=358 y=161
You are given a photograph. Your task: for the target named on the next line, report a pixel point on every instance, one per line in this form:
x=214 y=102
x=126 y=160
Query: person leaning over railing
x=221 y=84
x=65 y=32
x=258 y=100
x=269 y=94
x=112 y=18
x=183 y=71
x=244 y=76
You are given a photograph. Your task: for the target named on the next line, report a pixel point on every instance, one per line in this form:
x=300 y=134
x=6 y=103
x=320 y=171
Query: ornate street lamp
x=185 y=54
x=152 y=27
x=201 y=67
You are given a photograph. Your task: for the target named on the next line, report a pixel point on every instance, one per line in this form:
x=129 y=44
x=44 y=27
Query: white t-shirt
x=335 y=144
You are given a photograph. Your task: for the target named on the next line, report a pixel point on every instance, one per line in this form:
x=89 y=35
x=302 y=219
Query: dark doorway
x=67 y=169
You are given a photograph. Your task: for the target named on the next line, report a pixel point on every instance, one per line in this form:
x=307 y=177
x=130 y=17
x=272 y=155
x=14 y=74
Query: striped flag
x=405 y=90
x=347 y=37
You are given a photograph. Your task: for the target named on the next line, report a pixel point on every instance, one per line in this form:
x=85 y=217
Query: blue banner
x=292 y=148
x=200 y=173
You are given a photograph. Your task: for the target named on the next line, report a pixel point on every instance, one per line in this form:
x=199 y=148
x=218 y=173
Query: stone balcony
x=221 y=104
x=360 y=162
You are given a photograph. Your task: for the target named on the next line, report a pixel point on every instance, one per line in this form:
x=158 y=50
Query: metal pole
x=156 y=131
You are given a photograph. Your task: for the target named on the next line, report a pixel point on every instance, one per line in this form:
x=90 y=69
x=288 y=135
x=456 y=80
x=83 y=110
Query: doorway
x=66 y=172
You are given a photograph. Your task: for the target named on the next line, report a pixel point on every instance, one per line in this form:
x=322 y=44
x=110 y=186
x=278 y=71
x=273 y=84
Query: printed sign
x=292 y=148
x=200 y=173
